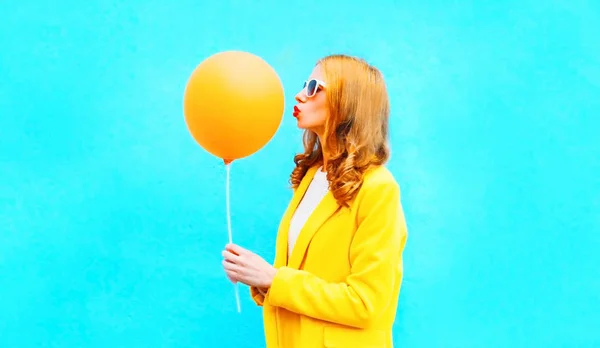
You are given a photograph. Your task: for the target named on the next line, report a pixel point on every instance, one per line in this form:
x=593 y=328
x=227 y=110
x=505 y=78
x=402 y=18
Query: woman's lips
x=296 y=111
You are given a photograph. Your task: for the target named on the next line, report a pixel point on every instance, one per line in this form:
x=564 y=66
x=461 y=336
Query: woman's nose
x=301 y=97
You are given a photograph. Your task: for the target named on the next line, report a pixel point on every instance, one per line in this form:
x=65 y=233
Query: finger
x=232 y=277
x=235 y=249
x=231 y=267
x=237 y=278
x=231 y=257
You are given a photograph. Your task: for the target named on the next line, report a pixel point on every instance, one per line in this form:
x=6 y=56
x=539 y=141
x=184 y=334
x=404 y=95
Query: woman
x=337 y=273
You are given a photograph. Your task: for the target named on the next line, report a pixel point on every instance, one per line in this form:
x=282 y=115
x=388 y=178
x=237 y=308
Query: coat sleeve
x=258 y=295
x=376 y=265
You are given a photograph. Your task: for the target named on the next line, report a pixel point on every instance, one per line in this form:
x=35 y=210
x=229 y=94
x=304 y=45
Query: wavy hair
x=356 y=131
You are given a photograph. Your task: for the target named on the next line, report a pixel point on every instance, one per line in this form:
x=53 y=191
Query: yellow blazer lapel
x=281 y=246
x=327 y=207
x=322 y=212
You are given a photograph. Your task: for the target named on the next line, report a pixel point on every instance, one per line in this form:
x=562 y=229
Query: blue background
x=112 y=219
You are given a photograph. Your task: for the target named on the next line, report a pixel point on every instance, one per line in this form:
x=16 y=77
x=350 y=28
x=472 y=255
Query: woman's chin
x=299 y=124
x=307 y=127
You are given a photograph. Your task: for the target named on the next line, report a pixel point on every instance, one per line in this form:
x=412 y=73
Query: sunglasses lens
x=312 y=88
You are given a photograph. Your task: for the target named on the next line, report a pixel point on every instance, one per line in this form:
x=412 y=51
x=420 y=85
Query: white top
x=318 y=188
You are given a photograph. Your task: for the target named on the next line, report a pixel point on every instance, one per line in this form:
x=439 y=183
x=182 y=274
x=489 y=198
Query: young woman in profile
x=336 y=277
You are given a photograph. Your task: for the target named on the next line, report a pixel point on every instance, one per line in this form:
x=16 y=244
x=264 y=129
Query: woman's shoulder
x=379 y=177
x=379 y=188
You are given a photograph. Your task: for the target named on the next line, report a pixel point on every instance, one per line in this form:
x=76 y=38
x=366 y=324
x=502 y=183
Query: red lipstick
x=296 y=111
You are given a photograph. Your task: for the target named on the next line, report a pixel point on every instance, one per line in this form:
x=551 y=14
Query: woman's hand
x=244 y=266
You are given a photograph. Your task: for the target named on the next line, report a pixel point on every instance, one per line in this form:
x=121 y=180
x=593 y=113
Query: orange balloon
x=233 y=104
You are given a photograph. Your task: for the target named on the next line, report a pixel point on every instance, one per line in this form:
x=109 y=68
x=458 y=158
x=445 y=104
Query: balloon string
x=229 y=233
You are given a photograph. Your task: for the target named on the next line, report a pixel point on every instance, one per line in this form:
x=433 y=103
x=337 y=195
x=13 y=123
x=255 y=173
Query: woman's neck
x=323 y=151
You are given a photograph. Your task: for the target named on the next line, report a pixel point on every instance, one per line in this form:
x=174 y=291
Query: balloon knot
x=227 y=161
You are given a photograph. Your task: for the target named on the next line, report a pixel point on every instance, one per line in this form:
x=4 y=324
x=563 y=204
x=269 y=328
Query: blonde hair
x=356 y=131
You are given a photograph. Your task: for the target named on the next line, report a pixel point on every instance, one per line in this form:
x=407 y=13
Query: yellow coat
x=340 y=286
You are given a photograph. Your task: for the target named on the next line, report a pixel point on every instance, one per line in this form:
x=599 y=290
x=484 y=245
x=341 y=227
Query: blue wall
x=112 y=219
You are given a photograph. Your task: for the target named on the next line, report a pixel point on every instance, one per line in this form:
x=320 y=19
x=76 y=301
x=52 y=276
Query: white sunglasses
x=312 y=86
